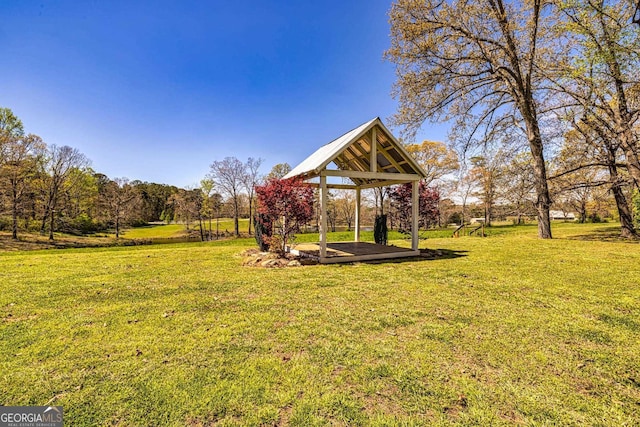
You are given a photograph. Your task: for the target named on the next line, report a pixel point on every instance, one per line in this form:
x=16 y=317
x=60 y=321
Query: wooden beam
x=357 y=159
x=372 y=257
x=358 y=146
x=378 y=184
x=334 y=186
x=390 y=158
x=415 y=187
x=323 y=217
x=364 y=156
x=357 y=225
x=372 y=175
x=374 y=152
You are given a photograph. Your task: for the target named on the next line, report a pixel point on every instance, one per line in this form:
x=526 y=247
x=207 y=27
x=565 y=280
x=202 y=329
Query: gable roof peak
x=353 y=151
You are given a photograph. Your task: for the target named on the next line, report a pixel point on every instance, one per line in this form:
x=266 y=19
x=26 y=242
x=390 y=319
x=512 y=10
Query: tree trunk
x=626 y=220
x=488 y=214
x=14 y=213
x=201 y=229
x=117 y=223
x=627 y=141
x=583 y=211
x=631 y=154
x=51 y=202
x=250 y=216
x=51 y=222
x=236 y=214
x=543 y=203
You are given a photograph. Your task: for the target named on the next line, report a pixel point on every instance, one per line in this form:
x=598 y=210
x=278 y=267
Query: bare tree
x=516 y=185
x=346 y=204
x=487 y=171
x=59 y=164
x=228 y=174
x=463 y=189
x=475 y=61
x=250 y=179
x=20 y=164
x=187 y=206
x=119 y=199
x=195 y=203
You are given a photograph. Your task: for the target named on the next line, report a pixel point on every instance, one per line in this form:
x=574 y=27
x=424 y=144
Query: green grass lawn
x=170 y=231
x=503 y=330
x=155 y=231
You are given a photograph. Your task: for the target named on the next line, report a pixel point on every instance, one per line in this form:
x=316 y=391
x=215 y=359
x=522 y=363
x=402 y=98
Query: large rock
x=269 y=263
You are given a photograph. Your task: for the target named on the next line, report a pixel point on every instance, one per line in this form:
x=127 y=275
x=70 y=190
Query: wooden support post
x=373 y=159
x=357 y=238
x=323 y=217
x=415 y=190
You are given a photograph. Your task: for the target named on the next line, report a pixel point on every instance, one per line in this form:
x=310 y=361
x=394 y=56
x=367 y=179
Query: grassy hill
x=501 y=330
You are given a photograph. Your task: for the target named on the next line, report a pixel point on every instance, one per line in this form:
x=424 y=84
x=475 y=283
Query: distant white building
x=562 y=216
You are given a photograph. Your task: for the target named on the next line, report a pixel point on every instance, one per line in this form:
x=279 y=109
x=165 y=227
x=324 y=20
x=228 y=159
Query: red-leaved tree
x=287 y=204
x=428 y=199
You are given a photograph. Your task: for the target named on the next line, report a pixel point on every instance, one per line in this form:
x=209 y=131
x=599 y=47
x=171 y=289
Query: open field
x=504 y=330
x=156 y=233
x=171 y=231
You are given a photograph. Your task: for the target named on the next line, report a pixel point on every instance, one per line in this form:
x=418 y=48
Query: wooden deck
x=352 y=252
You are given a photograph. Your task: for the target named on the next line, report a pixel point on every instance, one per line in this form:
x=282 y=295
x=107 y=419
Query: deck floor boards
x=350 y=249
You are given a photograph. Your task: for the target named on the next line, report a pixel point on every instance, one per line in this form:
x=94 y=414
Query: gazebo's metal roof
x=352 y=152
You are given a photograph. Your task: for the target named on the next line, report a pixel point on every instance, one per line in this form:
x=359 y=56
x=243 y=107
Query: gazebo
x=369 y=156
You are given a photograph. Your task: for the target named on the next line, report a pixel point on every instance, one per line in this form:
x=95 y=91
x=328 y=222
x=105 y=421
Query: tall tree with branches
x=118 y=199
x=11 y=128
x=59 y=165
x=602 y=77
x=476 y=62
x=598 y=81
x=21 y=155
x=250 y=179
x=228 y=175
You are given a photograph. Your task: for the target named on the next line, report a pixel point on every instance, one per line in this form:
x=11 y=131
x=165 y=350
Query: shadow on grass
x=32 y=241
x=603 y=235
x=425 y=255
x=29 y=242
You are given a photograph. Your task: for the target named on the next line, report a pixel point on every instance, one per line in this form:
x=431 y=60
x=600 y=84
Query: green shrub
x=380 y=231
x=595 y=218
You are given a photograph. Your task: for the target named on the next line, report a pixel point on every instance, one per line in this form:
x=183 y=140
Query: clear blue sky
x=157 y=90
